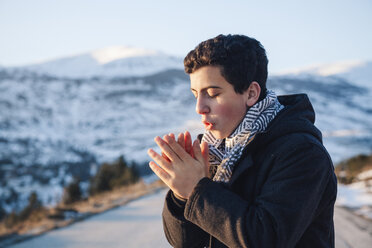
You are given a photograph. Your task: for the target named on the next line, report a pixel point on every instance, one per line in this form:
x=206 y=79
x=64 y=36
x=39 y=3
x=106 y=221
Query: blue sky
x=294 y=33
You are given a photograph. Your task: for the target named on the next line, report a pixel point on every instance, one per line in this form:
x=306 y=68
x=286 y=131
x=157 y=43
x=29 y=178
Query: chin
x=218 y=135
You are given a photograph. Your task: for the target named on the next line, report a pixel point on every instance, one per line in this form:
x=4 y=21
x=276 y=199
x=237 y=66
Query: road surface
x=138 y=224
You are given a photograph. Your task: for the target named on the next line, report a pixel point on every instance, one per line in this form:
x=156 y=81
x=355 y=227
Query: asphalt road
x=351 y=230
x=138 y=224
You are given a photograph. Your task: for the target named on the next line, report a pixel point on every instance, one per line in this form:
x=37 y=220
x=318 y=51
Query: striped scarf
x=224 y=153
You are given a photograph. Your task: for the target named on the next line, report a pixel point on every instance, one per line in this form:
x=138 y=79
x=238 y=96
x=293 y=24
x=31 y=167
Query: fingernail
x=157 y=139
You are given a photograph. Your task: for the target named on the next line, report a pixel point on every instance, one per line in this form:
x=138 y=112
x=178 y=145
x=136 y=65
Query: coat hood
x=298 y=116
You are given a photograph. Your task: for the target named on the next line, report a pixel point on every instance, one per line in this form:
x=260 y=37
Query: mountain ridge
x=356 y=71
x=115 y=61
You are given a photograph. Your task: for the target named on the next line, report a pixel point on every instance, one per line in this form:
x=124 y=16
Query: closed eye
x=212 y=93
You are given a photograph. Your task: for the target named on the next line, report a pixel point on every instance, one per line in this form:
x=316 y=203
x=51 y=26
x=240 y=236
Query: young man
x=261 y=176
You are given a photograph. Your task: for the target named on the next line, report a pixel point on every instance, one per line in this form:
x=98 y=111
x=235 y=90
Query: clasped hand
x=182 y=163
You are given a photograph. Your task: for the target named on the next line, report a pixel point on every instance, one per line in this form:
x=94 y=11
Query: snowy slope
x=345 y=114
x=55 y=128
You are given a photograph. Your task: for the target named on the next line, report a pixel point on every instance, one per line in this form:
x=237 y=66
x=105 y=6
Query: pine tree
x=72 y=192
x=33 y=204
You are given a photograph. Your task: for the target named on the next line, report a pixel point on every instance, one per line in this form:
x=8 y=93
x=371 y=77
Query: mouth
x=208 y=125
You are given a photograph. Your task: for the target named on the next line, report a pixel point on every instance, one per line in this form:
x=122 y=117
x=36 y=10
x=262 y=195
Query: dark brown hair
x=241 y=59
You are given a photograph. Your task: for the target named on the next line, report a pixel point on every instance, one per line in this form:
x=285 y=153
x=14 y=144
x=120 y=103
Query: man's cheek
x=225 y=112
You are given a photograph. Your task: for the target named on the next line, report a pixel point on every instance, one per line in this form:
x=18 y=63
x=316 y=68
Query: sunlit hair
x=241 y=60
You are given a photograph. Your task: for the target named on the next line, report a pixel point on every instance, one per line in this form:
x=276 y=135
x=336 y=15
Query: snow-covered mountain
x=116 y=61
x=358 y=72
x=63 y=118
x=55 y=124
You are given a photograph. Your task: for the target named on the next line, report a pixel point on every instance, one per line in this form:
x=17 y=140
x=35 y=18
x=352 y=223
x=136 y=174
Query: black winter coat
x=281 y=194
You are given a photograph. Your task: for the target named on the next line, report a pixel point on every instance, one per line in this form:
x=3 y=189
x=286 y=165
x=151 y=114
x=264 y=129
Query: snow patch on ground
x=356 y=196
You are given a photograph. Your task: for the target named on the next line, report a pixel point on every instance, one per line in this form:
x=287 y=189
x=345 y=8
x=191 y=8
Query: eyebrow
x=206 y=88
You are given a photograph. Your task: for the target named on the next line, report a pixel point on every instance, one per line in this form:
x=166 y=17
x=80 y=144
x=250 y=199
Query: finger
x=197 y=151
x=172 y=136
x=188 y=143
x=181 y=140
x=165 y=156
x=178 y=150
x=160 y=161
x=162 y=153
x=205 y=153
x=164 y=176
x=166 y=149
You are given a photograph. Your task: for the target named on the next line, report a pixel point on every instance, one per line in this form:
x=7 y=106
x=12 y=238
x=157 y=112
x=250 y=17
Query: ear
x=252 y=93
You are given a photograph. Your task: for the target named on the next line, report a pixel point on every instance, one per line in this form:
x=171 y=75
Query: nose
x=201 y=106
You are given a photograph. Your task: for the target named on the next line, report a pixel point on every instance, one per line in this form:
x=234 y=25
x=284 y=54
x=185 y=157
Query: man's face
x=221 y=108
